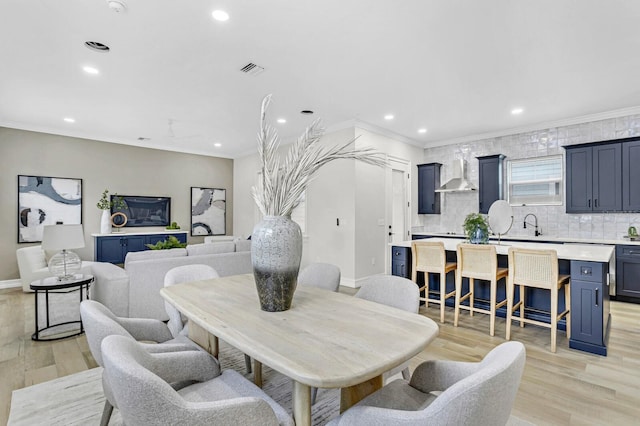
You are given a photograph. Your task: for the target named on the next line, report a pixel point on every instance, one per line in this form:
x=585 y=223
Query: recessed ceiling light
x=69 y=120
x=388 y=117
x=220 y=15
x=217 y=145
x=91 y=70
x=306 y=112
x=423 y=130
x=517 y=111
x=281 y=120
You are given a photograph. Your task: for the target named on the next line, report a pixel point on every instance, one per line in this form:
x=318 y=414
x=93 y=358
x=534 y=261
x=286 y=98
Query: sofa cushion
x=153 y=254
x=243 y=245
x=211 y=248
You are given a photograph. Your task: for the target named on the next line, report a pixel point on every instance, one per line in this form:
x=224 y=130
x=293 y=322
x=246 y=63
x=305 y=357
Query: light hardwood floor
x=566 y=388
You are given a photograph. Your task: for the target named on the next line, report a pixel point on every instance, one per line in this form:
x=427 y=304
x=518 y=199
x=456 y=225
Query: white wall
x=353 y=193
x=552 y=219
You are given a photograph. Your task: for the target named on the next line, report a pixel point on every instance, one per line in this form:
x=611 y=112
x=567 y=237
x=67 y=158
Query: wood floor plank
x=566 y=388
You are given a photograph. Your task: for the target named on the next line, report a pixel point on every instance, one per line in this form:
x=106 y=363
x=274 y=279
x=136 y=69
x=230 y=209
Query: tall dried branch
x=280 y=187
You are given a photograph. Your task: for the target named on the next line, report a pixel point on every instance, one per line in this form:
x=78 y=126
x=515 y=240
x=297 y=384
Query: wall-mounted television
x=143 y=210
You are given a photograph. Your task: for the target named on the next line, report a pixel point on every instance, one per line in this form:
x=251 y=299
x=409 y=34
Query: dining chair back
x=320 y=275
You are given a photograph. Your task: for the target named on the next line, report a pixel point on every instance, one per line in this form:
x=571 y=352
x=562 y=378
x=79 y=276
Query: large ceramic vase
x=276 y=250
x=105 y=222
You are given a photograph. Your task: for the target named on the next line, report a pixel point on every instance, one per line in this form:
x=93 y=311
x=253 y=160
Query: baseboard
x=10 y=284
x=350 y=282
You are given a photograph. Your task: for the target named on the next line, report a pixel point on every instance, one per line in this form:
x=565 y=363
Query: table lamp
x=64 y=264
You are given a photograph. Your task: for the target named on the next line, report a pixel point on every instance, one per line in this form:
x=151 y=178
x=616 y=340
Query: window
x=535 y=181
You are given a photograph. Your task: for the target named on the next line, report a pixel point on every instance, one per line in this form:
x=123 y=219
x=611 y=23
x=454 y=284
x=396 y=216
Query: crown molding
x=538 y=126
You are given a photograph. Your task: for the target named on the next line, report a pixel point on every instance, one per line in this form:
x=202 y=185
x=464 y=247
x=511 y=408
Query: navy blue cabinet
x=490 y=181
x=594 y=178
x=114 y=248
x=628 y=272
x=631 y=176
x=428 y=182
x=401 y=261
x=589 y=307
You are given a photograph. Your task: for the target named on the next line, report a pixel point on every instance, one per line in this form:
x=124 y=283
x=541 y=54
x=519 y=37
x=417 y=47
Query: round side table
x=80 y=282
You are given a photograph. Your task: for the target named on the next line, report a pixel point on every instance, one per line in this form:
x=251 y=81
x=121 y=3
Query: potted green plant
x=105 y=205
x=476 y=228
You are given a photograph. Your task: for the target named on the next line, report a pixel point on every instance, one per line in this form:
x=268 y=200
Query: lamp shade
x=62 y=237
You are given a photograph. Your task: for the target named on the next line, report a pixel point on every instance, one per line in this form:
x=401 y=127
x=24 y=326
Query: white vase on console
x=105 y=222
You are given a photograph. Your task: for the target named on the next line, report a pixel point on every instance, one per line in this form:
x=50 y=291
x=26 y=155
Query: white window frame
x=555 y=196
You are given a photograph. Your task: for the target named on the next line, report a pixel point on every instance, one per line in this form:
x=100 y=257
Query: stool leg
x=492 y=307
x=443 y=290
x=510 y=296
x=554 y=317
x=521 y=306
x=456 y=311
x=567 y=302
x=472 y=284
x=426 y=289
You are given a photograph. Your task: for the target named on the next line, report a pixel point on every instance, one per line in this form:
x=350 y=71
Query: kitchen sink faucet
x=535 y=224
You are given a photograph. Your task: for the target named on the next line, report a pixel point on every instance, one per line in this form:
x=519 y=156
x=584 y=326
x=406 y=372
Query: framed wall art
x=208 y=211
x=44 y=200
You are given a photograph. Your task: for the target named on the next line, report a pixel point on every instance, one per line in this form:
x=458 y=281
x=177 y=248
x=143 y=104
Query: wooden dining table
x=326 y=339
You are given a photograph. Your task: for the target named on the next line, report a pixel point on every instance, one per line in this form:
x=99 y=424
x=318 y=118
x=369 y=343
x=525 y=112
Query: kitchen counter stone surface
x=583 y=252
x=619 y=241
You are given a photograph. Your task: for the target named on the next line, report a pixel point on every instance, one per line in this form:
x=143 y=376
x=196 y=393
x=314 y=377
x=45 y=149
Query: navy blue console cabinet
x=114 y=248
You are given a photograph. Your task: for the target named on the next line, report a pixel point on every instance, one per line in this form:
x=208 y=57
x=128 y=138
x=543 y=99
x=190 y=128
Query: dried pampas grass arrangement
x=280 y=186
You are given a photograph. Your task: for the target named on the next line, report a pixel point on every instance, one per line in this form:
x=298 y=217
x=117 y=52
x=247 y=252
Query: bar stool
x=430 y=257
x=478 y=262
x=539 y=269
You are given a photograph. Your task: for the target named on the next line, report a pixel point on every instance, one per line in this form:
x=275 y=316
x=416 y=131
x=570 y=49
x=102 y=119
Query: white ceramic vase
x=105 y=222
x=276 y=251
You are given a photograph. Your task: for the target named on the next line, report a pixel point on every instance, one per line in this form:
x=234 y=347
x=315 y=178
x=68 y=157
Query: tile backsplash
x=552 y=220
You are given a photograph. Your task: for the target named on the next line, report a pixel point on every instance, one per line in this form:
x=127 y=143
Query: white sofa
x=146 y=271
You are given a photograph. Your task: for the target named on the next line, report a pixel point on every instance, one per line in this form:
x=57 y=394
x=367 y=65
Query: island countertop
x=583 y=252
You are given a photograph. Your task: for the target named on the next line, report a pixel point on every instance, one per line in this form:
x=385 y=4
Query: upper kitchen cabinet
x=594 y=178
x=631 y=176
x=490 y=180
x=428 y=181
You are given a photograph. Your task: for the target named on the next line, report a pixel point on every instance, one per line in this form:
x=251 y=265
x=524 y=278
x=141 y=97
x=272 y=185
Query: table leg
x=301 y=404
x=46 y=297
x=36 y=298
x=257 y=373
x=351 y=395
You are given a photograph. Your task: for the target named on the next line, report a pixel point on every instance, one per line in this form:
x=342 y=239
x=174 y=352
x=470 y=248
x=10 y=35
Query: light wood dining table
x=326 y=339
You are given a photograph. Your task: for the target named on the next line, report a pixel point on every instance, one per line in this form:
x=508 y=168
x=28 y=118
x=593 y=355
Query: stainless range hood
x=459 y=182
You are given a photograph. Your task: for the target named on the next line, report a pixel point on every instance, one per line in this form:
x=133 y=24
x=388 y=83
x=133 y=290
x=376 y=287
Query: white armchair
x=32 y=264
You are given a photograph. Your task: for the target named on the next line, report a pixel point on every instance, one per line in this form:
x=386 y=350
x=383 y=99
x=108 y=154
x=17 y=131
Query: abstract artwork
x=208 y=211
x=47 y=201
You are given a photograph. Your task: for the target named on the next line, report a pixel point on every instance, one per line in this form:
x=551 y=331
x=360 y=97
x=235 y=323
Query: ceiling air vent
x=252 y=69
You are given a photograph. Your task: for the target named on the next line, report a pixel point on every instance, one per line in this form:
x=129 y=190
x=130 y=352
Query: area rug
x=78 y=399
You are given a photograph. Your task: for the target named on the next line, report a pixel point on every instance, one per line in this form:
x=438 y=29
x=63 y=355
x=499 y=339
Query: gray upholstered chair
x=99 y=322
x=393 y=291
x=140 y=383
x=320 y=275
x=182 y=274
x=447 y=393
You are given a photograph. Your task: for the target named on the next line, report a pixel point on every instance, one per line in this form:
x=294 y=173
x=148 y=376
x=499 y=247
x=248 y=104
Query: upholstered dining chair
x=397 y=292
x=99 y=322
x=446 y=393
x=177 y=322
x=320 y=275
x=140 y=383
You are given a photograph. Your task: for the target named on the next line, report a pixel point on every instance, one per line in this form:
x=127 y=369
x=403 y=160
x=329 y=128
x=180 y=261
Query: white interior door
x=398 y=198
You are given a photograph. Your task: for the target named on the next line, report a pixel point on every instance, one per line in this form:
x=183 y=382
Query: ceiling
x=173 y=75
